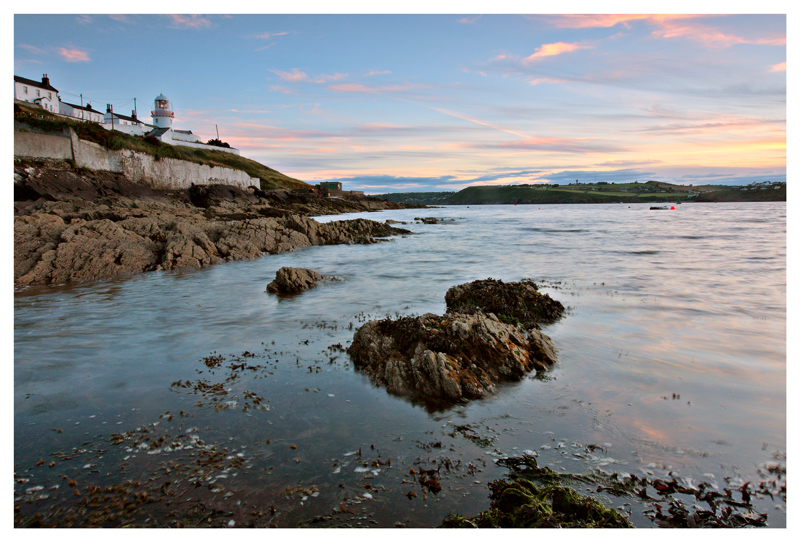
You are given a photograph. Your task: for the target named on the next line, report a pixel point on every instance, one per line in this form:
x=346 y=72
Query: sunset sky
x=408 y=103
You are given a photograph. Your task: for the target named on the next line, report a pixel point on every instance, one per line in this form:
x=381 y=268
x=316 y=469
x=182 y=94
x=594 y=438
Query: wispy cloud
x=365 y=89
x=189 y=21
x=283 y=90
x=667 y=27
x=778 y=67
x=670 y=27
x=83 y=19
x=469 y=20
x=591 y=21
x=270 y=35
x=121 y=18
x=554 y=49
x=298 y=76
x=73 y=55
x=31 y=48
x=293 y=76
x=375 y=72
x=548 y=80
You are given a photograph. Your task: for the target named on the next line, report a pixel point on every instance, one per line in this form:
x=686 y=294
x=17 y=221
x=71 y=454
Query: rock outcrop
x=447 y=359
x=293 y=280
x=92 y=226
x=490 y=334
x=518 y=303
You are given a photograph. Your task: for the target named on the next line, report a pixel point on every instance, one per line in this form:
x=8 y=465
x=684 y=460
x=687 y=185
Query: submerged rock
x=518 y=303
x=293 y=280
x=450 y=358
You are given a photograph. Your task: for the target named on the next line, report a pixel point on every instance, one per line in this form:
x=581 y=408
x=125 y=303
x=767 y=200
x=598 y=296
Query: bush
x=218 y=143
x=115 y=143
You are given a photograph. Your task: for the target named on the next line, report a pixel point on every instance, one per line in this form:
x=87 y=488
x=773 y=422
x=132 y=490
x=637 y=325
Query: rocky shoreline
x=73 y=225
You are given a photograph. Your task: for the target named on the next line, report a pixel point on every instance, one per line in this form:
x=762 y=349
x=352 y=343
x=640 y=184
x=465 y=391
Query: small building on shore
x=334 y=188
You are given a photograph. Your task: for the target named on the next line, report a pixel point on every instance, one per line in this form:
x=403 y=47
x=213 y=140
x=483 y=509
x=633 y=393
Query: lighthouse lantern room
x=162 y=115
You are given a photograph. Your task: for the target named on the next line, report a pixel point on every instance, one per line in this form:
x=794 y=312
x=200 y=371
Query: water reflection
x=657 y=305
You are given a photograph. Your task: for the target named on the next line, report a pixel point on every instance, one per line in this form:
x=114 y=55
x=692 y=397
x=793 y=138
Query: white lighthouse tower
x=162 y=115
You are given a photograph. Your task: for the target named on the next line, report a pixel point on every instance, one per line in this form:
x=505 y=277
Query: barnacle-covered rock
x=450 y=358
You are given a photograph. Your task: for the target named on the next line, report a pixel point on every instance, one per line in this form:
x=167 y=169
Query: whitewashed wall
x=136 y=166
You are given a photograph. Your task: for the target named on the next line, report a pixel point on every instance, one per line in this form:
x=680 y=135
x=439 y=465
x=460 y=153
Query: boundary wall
x=139 y=167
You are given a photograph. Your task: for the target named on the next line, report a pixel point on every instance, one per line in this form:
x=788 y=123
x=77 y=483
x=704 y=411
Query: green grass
x=35 y=119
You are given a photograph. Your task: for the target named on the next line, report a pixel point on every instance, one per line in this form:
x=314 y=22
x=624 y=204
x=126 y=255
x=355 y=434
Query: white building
x=40 y=93
x=163 y=117
x=122 y=123
x=80 y=112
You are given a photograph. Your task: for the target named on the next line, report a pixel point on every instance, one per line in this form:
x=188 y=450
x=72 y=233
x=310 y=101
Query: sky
x=413 y=103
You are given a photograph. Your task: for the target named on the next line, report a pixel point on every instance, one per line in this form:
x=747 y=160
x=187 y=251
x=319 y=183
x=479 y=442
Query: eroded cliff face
x=71 y=226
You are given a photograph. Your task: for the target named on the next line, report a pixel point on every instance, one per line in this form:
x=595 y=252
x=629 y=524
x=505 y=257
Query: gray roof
x=157 y=132
x=86 y=107
x=31 y=82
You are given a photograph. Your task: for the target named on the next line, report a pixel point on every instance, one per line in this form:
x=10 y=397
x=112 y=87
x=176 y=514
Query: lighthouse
x=161 y=113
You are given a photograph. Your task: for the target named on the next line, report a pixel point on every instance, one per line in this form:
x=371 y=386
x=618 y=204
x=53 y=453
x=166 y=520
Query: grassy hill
x=651 y=191
x=34 y=119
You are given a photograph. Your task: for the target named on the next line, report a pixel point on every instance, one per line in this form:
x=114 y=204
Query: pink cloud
x=189 y=21
x=468 y=20
x=297 y=76
x=278 y=88
x=270 y=35
x=553 y=49
x=778 y=67
x=314 y=151
x=592 y=21
x=547 y=80
x=668 y=26
x=671 y=27
x=31 y=49
x=73 y=55
x=292 y=77
x=359 y=88
x=352 y=87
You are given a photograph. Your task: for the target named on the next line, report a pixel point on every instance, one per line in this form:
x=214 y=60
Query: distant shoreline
x=649 y=192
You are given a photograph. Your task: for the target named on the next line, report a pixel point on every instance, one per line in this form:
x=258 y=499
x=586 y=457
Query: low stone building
x=333 y=189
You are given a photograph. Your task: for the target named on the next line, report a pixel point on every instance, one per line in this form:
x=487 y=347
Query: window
x=37 y=92
x=24 y=90
x=50 y=95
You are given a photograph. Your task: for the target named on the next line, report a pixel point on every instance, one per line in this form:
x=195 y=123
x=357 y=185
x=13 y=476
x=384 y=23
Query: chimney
x=45 y=80
x=133 y=114
x=109 y=108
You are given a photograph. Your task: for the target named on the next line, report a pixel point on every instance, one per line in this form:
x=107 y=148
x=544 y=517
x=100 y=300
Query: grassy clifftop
x=38 y=120
x=651 y=191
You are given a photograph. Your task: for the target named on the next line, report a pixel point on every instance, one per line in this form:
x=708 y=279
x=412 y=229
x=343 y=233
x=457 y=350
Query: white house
x=122 y=123
x=40 y=93
x=81 y=112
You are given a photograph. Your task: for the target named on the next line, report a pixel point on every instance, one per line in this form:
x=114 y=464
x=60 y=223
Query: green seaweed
x=520 y=503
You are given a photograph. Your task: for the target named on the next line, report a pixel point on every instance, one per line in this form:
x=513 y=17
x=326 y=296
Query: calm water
x=672 y=357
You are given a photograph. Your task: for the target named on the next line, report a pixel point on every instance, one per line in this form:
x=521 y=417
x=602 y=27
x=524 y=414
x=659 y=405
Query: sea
x=229 y=406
